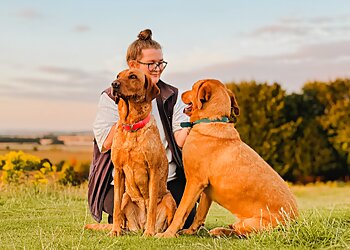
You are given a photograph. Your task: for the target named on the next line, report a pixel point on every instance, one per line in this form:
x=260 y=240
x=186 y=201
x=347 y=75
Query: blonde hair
x=144 y=41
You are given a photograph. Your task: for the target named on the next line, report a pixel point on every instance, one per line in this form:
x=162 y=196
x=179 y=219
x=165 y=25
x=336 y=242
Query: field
x=53 y=217
x=55 y=153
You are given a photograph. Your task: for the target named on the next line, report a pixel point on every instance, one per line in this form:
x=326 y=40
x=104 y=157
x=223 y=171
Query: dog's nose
x=115 y=84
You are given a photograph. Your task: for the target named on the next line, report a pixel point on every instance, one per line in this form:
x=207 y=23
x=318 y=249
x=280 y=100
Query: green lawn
x=53 y=217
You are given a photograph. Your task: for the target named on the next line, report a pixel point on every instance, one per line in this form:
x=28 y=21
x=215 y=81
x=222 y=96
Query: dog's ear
x=152 y=90
x=203 y=94
x=234 y=105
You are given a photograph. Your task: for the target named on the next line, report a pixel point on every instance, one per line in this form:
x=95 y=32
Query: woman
x=145 y=54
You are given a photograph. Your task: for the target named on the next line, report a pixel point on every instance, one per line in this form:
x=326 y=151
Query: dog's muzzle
x=115 y=90
x=115 y=87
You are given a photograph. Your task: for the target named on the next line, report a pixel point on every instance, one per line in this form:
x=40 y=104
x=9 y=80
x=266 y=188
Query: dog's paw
x=221 y=232
x=148 y=233
x=115 y=233
x=187 y=232
x=166 y=235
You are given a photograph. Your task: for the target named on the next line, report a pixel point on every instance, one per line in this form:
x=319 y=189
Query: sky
x=57 y=56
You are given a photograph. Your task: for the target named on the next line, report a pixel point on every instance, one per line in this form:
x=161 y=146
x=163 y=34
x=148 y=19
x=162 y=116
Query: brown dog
x=220 y=167
x=141 y=198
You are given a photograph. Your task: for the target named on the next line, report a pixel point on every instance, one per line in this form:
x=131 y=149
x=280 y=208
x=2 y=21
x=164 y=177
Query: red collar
x=136 y=126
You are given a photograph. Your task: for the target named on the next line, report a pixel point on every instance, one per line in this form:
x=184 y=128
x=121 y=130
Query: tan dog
x=141 y=198
x=220 y=167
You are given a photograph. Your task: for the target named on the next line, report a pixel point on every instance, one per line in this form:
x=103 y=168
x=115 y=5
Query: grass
x=53 y=217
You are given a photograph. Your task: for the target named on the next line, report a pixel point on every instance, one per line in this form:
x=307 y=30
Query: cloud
x=321 y=20
x=60 y=83
x=29 y=13
x=313 y=62
x=25 y=114
x=65 y=72
x=6 y=88
x=310 y=62
x=304 y=27
x=326 y=51
x=82 y=28
x=278 y=29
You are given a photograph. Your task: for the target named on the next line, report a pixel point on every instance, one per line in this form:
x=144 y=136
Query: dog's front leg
x=202 y=211
x=118 y=194
x=188 y=200
x=153 y=199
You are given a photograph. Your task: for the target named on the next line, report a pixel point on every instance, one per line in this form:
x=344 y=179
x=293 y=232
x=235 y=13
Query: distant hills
x=41 y=133
x=48 y=138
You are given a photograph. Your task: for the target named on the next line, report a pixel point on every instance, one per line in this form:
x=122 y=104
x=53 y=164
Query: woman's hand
x=180 y=136
x=107 y=144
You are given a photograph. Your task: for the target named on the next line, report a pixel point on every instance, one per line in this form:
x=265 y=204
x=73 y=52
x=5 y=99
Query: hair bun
x=145 y=35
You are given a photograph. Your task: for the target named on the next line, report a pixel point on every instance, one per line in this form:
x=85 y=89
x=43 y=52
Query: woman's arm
x=179 y=116
x=107 y=144
x=104 y=124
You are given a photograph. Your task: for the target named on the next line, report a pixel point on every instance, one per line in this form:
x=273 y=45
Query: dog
x=220 y=167
x=141 y=199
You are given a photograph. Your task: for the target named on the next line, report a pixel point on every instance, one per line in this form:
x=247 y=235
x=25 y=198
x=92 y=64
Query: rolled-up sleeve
x=178 y=114
x=107 y=115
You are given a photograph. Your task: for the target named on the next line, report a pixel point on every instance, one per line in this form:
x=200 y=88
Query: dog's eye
x=132 y=77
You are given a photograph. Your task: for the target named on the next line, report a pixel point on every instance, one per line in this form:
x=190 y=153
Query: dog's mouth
x=188 y=109
x=116 y=95
x=117 y=92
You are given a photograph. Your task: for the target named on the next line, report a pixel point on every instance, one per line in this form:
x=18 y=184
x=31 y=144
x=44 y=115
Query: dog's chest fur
x=135 y=153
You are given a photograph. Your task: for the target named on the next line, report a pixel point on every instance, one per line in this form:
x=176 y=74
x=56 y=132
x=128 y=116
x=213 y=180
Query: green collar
x=205 y=120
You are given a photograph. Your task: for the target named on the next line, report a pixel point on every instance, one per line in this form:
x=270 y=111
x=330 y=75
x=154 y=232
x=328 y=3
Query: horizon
x=40 y=132
x=57 y=57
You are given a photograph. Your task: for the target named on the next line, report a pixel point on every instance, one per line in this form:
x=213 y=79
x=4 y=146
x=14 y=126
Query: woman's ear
x=132 y=64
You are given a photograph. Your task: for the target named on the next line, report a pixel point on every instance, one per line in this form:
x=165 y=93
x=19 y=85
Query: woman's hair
x=144 y=41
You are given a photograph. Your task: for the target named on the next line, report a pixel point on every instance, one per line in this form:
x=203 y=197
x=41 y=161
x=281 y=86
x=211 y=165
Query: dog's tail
x=98 y=226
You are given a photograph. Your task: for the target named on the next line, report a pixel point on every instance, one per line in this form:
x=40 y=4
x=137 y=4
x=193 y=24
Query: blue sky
x=57 y=56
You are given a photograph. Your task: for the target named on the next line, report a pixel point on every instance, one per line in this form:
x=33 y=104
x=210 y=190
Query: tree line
x=304 y=136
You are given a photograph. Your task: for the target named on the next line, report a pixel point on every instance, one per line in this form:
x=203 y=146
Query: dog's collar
x=205 y=120
x=138 y=125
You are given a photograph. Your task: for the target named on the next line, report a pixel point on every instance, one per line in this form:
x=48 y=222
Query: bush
x=18 y=167
x=16 y=164
x=74 y=173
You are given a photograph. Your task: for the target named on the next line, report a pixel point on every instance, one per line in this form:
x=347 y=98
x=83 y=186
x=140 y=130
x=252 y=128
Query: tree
x=334 y=97
x=304 y=137
x=262 y=122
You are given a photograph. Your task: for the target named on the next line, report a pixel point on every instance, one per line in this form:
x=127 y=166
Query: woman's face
x=151 y=62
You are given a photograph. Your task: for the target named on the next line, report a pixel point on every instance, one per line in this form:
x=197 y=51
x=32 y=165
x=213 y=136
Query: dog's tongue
x=188 y=109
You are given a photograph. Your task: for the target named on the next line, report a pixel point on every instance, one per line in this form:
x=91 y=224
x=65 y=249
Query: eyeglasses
x=153 y=65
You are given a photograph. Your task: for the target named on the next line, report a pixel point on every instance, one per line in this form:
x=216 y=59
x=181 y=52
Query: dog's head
x=210 y=99
x=134 y=85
